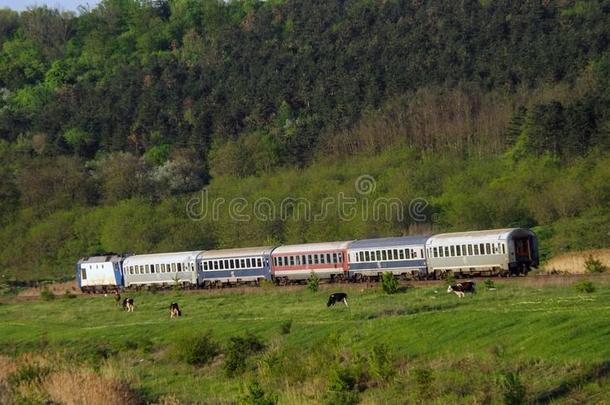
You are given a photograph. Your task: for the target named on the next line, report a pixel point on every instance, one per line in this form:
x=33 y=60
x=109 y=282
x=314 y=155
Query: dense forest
x=113 y=119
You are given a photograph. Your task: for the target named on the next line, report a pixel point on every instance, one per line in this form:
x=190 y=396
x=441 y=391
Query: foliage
x=380 y=362
x=285 y=327
x=389 y=284
x=514 y=390
x=490 y=284
x=584 y=286
x=313 y=282
x=237 y=352
x=46 y=294
x=197 y=350
x=256 y=395
x=593 y=265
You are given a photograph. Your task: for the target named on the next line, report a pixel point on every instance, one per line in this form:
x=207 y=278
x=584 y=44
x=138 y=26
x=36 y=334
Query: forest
x=115 y=118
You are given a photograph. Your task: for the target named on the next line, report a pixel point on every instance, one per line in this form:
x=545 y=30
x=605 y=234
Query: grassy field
x=526 y=340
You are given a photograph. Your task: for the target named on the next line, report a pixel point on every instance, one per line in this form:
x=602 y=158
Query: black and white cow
x=128 y=305
x=461 y=288
x=337 y=297
x=174 y=310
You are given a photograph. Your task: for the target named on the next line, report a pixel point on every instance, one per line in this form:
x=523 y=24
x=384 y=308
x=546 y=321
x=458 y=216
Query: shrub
x=380 y=362
x=585 y=286
x=343 y=386
x=388 y=283
x=237 y=352
x=285 y=327
x=513 y=389
x=489 y=284
x=197 y=350
x=593 y=265
x=313 y=282
x=47 y=295
x=424 y=380
x=255 y=395
x=69 y=295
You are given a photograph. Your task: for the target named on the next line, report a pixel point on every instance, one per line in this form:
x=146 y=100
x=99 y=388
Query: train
x=495 y=252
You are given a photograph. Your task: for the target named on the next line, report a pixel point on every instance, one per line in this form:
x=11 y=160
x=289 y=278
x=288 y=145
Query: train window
x=322 y=259
x=328 y=258
x=205 y=265
x=470 y=250
x=221 y=265
x=476 y=249
x=446 y=251
x=441 y=251
x=452 y=250
x=158 y=268
x=378 y=255
x=83 y=274
x=408 y=253
x=488 y=248
x=390 y=255
x=458 y=250
x=384 y=255
x=242 y=263
x=292 y=260
x=179 y=266
x=297 y=260
x=231 y=264
x=503 y=249
x=401 y=253
x=434 y=252
x=481 y=248
x=248 y=263
x=315 y=259
x=174 y=267
x=146 y=269
x=259 y=262
x=463 y=250
x=413 y=253
x=360 y=256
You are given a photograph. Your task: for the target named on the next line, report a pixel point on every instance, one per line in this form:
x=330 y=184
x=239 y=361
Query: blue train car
x=100 y=273
x=402 y=256
x=234 y=266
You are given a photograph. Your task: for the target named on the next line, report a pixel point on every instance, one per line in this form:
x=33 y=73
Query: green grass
x=551 y=331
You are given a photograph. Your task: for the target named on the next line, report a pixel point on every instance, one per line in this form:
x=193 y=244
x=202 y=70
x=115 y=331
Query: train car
x=100 y=273
x=295 y=262
x=402 y=256
x=234 y=266
x=161 y=269
x=500 y=252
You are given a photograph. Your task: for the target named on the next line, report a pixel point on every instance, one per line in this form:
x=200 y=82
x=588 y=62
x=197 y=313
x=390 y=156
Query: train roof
x=239 y=252
x=491 y=235
x=162 y=257
x=386 y=242
x=311 y=247
x=111 y=257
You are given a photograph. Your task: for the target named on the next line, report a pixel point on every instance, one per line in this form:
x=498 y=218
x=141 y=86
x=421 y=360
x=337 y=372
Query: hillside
x=538 y=341
x=485 y=113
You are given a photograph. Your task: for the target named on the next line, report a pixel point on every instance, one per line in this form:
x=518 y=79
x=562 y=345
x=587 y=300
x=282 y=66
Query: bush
x=47 y=295
x=389 y=284
x=593 y=265
x=380 y=362
x=514 y=390
x=197 y=350
x=255 y=395
x=237 y=352
x=69 y=295
x=489 y=284
x=584 y=286
x=313 y=282
x=285 y=327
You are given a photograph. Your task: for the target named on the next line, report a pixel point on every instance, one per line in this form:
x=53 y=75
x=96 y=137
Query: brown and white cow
x=128 y=305
x=461 y=288
x=174 y=310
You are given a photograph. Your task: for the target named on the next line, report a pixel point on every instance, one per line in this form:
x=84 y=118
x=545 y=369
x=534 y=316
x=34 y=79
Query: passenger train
x=499 y=252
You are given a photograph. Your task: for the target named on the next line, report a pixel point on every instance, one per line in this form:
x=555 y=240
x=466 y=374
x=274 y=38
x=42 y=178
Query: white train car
x=234 y=266
x=100 y=273
x=161 y=269
x=295 y=262
x=501 y=252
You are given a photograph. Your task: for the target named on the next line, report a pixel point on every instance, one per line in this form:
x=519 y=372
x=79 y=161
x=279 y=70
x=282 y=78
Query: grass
x=545 y=337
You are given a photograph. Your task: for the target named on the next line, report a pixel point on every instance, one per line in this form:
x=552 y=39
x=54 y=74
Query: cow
x=128 y=305
x=461 y=288
x=337 y=297
x=174 y=310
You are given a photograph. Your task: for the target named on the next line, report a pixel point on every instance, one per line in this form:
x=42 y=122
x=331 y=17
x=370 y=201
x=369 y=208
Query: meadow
x=541 y=339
